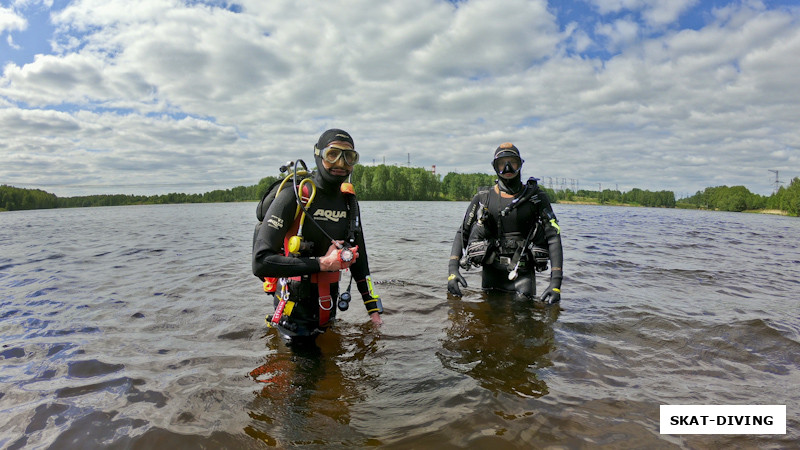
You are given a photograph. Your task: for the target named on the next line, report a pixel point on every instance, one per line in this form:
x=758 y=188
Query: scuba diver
x=309 y=234
x=510 y=231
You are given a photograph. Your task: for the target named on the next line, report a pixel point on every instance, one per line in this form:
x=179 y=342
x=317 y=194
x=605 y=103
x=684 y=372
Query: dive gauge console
x=345 y=255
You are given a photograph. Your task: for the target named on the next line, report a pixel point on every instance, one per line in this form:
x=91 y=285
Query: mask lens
x=501 y=163
x=332 y=154
x=350 y=157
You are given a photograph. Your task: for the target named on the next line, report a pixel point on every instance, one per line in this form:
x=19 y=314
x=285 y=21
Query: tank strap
x=352 y=217
x=493 y=205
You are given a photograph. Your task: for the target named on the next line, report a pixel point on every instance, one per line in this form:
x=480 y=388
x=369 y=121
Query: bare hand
x=331 y=261
x=376 y=319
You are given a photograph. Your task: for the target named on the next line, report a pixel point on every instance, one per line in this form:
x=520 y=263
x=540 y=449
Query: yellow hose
x=295 y=241
x=308 y=202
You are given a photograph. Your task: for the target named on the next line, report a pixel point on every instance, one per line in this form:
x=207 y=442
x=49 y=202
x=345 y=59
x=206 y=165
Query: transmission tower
x=777 y=181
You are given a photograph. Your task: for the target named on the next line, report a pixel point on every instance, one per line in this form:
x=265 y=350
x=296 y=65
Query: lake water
x=143 y=327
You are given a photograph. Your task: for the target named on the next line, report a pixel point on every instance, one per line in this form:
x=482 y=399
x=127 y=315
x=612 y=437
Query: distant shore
x=775 y=212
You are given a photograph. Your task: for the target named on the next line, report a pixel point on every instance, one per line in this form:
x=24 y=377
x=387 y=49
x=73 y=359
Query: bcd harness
x=487 y=251
x=293 y=245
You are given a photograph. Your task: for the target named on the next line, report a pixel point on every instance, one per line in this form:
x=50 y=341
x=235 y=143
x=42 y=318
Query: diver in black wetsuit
x=500 y=233
x=312 y=273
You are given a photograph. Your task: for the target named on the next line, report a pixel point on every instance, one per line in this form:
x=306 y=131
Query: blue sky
x=155 y=96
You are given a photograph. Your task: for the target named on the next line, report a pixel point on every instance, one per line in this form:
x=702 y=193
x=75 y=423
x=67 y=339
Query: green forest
x=634 y=197
x=384 y=182
x=738 y=198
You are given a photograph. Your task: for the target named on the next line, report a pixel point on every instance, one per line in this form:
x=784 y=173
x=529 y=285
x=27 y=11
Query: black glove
x=454 y=280
x=553 y=292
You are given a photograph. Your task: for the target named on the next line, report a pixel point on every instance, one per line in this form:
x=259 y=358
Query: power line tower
x=777 y=182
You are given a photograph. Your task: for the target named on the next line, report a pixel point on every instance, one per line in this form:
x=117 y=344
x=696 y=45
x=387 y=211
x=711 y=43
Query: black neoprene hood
x=334 y=134
x=507 y=149
x=326 y=178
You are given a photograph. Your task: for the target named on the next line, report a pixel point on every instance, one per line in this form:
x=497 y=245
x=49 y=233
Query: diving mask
x=332 y=154
x=507 y=164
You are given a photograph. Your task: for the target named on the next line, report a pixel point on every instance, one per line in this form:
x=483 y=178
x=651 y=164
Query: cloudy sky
x=156 y=96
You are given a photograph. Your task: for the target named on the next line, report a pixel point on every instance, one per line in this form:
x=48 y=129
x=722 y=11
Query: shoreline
x=774 y=212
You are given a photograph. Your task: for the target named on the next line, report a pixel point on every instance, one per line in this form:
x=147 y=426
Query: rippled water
x=142 y=327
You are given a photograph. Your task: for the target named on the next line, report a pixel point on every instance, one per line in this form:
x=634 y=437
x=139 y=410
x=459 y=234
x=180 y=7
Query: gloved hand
x=454 y=280
x=552 y=294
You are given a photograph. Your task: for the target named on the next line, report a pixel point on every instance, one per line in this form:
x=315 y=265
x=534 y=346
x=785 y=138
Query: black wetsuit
x=329 y=209
x=506 y=234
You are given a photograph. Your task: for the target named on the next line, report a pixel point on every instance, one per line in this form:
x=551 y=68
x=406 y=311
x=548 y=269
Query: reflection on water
x=501 y=342
x=143 y=327
x=304 y=389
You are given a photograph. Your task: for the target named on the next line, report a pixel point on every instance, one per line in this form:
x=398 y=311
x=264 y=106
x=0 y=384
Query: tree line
x=384 y=182
x=396 y=183
x=787 y=199
x=635 y=197
x=739 y=198
x=14 y=198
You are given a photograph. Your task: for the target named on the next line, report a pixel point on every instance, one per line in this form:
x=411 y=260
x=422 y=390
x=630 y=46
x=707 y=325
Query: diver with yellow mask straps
x=309 y=234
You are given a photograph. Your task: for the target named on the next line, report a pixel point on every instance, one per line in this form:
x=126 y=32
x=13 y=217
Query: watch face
x=346 y=255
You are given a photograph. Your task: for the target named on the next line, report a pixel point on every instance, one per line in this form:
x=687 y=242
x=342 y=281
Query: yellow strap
x=555 y=225
x=451 y=277
x=557 y=290
x=370 y=287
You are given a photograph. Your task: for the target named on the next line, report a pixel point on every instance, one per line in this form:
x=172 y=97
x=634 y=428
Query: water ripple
x=158 y=339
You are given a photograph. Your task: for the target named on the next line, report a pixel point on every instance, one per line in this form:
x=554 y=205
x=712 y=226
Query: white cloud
x=659 y=12
x=482 y=39
x=11 y=44
x=10 y=20
x=655 y=13
x=620 y=34
x=161 y=92
x=577 y=40
x=614 y=6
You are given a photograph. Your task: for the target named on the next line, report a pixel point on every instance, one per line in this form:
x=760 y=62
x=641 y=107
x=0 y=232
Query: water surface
x=142 y=327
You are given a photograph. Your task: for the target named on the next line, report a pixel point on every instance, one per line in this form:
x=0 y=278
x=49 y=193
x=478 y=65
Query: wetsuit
x=505 y=234
x=329 y=209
